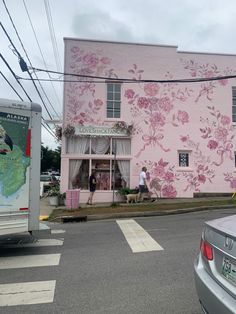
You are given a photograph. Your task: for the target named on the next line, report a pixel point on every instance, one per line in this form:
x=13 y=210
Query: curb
x=83 y=218
x=43 y=217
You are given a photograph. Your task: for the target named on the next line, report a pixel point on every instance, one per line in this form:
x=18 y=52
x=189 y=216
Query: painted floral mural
x=152 y=106
x=218 y=133
x=157 y=109
x=206 y=70
x=231 y=178
x=161 y=178
x=82 y=105
x=202 y=170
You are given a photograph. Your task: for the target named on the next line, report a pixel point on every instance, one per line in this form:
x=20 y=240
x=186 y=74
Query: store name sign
x=98 y=131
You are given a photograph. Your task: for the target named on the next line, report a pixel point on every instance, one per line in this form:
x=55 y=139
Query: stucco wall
x=167 y=117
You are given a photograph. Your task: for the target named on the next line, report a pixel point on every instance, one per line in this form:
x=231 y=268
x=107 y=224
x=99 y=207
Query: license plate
x=229 y=270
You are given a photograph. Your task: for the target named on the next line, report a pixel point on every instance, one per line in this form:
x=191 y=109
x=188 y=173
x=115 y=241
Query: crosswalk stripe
x=57 y=231
x=38 y=260
x=37 y=243
x=27 y=293
x=138 y=239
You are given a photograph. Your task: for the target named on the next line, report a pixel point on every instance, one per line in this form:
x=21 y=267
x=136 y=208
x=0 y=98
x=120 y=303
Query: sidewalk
x=124 y=210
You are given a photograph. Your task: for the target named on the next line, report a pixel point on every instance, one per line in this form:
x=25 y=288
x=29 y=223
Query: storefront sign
x=98 y=131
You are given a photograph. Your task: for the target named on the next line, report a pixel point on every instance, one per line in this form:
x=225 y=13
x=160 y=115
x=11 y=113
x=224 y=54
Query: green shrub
x=126 y=191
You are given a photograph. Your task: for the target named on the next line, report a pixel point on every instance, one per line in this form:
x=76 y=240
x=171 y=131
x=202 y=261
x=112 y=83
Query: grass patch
x=141 y=207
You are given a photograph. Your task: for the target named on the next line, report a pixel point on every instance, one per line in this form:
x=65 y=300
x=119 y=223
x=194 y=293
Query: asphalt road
x=99 y=273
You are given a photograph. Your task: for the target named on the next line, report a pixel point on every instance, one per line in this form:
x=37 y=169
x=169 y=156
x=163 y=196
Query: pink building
x=182 y=132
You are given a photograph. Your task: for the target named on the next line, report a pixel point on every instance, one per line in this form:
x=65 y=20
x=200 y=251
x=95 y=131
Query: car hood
x=225 y=224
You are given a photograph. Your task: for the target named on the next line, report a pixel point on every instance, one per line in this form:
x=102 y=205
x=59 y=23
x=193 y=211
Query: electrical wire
x=128 y=80
x=8 y=82
x=12 y=72
x=19 y=56
x=40 y=50
x=52 y=34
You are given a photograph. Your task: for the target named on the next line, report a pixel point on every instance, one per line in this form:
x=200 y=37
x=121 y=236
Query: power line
x=66 y=81
x=10 y=69
x=11 y=85
x=128 y=80
x=49 y=131
x=48 y=128
x=23 y=90
x=19 y=56
x=35 y=35
x=52 y=34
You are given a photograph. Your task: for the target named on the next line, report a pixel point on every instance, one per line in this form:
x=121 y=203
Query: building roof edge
x=119 y=42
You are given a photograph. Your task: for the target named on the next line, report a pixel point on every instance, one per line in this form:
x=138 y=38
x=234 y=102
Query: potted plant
x=54 y=194
x=62 y=199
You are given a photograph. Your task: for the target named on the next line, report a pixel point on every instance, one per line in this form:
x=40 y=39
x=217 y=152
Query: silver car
x=215 y=267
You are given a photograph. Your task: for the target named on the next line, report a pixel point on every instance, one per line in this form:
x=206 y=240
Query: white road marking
x=37 y=243
x=138 y=239
x=57 y=231
x=47 y=242
x=27 y=293
x=39 y=260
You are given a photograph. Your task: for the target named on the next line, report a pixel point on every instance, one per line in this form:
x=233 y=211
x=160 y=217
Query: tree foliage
x=50 y=159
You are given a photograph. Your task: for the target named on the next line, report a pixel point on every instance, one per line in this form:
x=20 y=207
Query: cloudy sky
x=202 y=26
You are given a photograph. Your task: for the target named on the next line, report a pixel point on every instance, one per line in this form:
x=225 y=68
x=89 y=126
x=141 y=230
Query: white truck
x=20 y=152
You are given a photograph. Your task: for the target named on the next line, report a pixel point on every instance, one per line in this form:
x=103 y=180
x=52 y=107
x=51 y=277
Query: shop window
x=121 y=146
x=78 y=174
x=103 y=174
x=100 y=145
x=113 y=100
x=183 y=159
x=109 y=171
x=121 y=173
x=77 y=145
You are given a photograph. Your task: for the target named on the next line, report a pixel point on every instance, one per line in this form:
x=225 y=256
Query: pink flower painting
x=219 y=133
x=231 y=178
x=161 y=178
x=183 y=117
x=152 y=106
x=207 y=70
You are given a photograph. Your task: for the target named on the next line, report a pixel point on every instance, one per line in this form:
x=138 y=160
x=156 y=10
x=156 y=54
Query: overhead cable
x=40 y=50
x=19 y=56
x=52 y=34
x=128 y=80
x=8 y=82
x=12 y=72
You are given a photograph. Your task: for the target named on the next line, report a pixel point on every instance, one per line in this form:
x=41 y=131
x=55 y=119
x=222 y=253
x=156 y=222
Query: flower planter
x=53 y=200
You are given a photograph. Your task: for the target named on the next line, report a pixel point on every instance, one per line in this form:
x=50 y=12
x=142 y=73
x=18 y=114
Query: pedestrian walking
x=92 y=187
x=142 y=183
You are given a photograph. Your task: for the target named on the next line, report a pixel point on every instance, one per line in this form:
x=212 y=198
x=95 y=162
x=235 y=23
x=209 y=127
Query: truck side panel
x=20 y=142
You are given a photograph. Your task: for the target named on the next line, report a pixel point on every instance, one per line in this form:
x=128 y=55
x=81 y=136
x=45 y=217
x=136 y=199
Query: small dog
x=132 y=198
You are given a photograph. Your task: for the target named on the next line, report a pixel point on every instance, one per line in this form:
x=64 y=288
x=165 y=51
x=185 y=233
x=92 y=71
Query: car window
x=45 y=178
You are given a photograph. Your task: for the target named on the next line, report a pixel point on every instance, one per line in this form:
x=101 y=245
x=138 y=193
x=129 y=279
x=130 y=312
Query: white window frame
x=111 y=157
x=112 y=102
x=188 y=153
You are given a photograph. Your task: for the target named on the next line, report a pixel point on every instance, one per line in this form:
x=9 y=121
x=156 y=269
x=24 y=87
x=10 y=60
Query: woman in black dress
x=92 y=187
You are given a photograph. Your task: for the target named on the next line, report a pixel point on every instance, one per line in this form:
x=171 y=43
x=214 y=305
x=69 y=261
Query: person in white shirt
x=142 y=183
